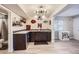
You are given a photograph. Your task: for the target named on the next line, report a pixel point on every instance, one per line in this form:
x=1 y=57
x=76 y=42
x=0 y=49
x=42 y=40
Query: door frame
x=10 y=33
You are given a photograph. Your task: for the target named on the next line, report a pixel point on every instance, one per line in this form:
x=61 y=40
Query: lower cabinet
x=19 y=41
x=49 y=37
x=40 y=36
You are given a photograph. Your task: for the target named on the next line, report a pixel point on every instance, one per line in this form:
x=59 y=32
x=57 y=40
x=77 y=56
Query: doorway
x=3 y=30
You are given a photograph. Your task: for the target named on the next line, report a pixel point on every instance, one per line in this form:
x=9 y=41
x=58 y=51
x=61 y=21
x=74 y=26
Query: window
x=58 y=25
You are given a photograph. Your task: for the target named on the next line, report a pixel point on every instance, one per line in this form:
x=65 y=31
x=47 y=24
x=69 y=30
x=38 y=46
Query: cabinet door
x=49 y=36
x=33 y=35
x=19 y=41
x=41 y=36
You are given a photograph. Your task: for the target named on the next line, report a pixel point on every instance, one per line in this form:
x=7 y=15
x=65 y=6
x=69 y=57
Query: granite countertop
x=38 y=30
x=23 y=31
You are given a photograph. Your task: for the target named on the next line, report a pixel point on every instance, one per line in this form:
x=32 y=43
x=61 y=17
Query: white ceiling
x=2 y=11
x=30 y=9
x=27 y=10
x=16 y=9
x=70 y=10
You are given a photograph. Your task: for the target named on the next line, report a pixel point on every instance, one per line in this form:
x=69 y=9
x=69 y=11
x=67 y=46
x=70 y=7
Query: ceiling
x=3 y=12
x=69 y=10
x=30 y=9
x=27 y=10
x=16 y=9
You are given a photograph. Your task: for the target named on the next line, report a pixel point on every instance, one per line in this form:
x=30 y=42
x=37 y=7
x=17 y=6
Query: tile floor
x=67 y=47
x=37 y=49
x=59 y=47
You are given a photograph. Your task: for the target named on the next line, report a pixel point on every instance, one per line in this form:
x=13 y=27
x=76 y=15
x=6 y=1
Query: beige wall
x=15 y=28
x=35 y=26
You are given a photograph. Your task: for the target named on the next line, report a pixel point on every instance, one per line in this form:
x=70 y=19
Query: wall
x=68 y=22
x=76 y=27
x=14 y=18
x=35 y=26
x=66 y=25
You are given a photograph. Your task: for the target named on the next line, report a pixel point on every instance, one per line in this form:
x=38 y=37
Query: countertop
x=33 y=30
x=21 y=32
x=40 y=30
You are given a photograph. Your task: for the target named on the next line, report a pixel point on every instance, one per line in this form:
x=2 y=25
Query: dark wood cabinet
x=40 y=36
x=32 y=36
x=49 y=37
x=19 y=41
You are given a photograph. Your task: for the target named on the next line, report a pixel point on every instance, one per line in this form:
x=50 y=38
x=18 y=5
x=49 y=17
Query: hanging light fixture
x=41 y=10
